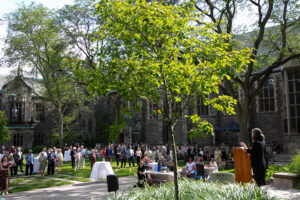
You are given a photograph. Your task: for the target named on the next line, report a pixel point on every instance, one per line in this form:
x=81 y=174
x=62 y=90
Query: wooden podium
x=242 y=166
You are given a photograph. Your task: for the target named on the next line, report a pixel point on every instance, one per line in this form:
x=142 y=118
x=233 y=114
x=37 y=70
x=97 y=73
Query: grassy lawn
x=83 y=174
x=71 y=178
x=21 y=184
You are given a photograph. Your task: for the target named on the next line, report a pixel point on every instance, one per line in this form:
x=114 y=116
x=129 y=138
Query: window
x=90 y=126
x=201 y=108
x=294 y=100
x=38 y=139
x=40 y=112
x=153 y=111
x=83 y=123
x=178 y=108
x=266 y=98
x=18 y=139
x=16 y=111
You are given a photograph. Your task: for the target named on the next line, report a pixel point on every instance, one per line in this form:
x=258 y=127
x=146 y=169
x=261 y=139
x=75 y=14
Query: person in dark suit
x=20 y=163
x=72 y=154
x=51 y=162
x=258 y=156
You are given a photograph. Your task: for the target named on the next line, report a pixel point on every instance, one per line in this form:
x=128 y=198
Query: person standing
x=258 y=153
x=4 y=181
x=72 y=154
x=131 y=155
x=17 y=161
x=42 y=161
x=138 y=154
x=51 y=162
x=124 y=157
x=82 y=158
x=29 y=162
x=12 y=160
x=77 y=159
x=218 y=156
x=20 y=163
x=93 y=158
x=108 y=153
x=117 y=153
x=60 y=159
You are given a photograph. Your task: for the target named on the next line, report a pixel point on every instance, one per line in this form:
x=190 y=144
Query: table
x=101 y=170
x=208 y=171
x=67 y=156
x=153 y=166
x=36 y=165
x=161 y=177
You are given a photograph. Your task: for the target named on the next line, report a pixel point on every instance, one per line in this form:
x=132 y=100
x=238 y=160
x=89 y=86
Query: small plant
x=164 y=169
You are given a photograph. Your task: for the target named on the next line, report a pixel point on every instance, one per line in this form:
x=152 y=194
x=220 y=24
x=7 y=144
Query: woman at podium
x=257 y=153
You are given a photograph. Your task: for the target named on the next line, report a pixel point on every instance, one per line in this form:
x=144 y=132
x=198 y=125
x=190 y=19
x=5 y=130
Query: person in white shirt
x=214 y=164
x=130 y=156
x=148 y=153
x=44 y=151
x=77 y=159
x=190 y=165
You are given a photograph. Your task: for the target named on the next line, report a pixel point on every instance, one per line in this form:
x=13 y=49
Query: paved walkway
x=82 y=191
x=283 y=193
x=98 y=190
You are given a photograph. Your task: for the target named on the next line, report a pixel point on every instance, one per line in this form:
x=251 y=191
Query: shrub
x=295 y=164
x=190 y=190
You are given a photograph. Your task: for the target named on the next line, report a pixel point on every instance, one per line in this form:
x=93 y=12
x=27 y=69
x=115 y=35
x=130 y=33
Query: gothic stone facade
x=29 y=121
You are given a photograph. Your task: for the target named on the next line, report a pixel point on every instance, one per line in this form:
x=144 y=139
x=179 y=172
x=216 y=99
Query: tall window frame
x=293 y=81
x=267 y=97
x=202 y=109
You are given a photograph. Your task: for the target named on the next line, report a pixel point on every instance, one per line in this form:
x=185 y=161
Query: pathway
x=82 y=191
x=281 y=193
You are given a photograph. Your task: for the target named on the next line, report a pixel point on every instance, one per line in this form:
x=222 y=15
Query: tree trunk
x=171 y=128
x=61 y=128
x=243 y=121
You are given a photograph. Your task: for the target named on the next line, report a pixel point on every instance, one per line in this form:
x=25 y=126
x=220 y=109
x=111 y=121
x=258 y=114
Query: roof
x=34 y=84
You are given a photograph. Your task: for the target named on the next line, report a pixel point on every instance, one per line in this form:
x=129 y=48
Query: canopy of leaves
x=4 y=132
x=159 y=53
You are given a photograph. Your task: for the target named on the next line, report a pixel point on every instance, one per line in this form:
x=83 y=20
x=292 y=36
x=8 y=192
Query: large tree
x=160 y=56
x=4 y=132
x=34 y=39
x=273 y=39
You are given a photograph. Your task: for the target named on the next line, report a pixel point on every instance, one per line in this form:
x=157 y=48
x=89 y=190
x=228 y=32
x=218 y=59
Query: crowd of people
x=140 y=155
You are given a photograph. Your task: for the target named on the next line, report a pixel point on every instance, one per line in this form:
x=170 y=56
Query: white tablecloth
x=36 y=165
x=67 y=156
x=101 y=170
x=153 y=166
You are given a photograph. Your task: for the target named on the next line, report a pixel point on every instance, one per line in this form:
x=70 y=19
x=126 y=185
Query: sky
x=8 y=6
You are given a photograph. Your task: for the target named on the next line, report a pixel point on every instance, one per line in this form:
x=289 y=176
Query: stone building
x=276 y=111
x=29 y=121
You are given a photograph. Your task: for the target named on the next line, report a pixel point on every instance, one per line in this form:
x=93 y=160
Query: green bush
x=190 y=190
x=295 y=164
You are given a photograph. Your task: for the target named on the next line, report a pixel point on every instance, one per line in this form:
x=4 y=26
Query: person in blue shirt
x=29 y=162
x=160 y=165
x=108 y=153
x=124 y=157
